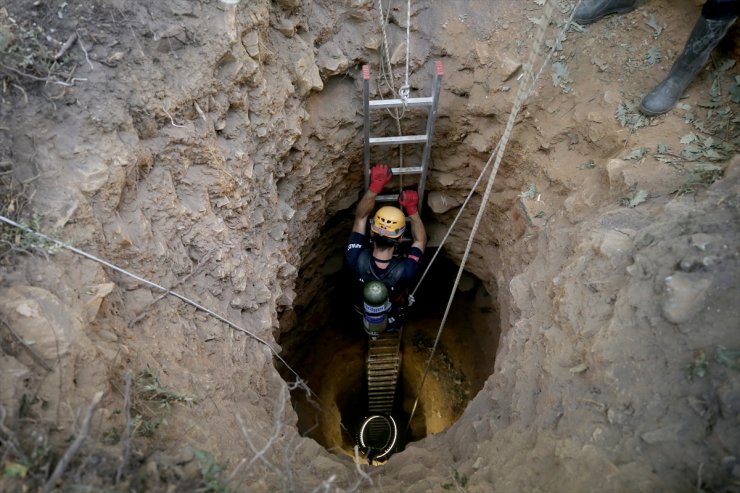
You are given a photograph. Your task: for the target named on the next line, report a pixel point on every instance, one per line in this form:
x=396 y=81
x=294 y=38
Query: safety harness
x=390 y=276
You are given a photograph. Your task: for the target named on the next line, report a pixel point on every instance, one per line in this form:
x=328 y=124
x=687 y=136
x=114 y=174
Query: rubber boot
x=707 y=33
x=592 y=10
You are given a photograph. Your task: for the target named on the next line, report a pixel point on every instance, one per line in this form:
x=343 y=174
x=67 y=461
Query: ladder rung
x=398 y=103
x=407 y=170
x=379 y=398
x=401 y=139
x=387 y=198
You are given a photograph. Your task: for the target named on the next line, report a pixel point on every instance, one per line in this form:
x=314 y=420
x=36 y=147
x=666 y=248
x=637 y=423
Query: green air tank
x=376 y=307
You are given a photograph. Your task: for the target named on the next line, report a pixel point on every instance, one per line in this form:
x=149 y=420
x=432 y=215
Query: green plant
x=17 y=240
x=561 y=76
x=635 y=199
x=636 y=154
x=459 y=481
x=628 y=115
x=653 y=56
x=29 y=50
x=698 y=367
x=530 y=192
x=703 y=175
x=210 y=471
x=653 y=23
x=728 y=357
x=147 y=390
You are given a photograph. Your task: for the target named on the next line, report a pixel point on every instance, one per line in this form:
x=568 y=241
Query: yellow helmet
x=389 y=222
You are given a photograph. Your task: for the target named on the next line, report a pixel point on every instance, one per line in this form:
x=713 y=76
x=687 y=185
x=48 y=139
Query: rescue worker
x=382 y=261
x=716 y=18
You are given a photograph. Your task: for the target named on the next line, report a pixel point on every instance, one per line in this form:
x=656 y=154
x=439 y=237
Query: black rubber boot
x=707 y=33
x=592 y=10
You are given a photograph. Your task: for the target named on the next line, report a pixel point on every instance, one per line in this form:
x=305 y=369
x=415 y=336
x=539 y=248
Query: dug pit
x=328 y=348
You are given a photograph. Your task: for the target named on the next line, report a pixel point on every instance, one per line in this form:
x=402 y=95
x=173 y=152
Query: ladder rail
x=366 y=126
x=437 y=85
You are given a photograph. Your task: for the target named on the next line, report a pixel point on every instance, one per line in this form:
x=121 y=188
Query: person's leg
x=589 y=11
x=716 y=18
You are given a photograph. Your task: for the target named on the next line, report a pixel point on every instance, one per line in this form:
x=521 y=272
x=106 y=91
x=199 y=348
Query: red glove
x=410 y=201
x=380 y=175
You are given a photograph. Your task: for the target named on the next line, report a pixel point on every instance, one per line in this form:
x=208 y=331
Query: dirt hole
x=327 y=347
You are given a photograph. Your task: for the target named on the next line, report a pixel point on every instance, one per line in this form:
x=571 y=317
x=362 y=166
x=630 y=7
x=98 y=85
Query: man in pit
x=381 y=260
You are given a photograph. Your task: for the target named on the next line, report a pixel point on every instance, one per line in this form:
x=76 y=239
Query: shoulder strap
x=388 y=276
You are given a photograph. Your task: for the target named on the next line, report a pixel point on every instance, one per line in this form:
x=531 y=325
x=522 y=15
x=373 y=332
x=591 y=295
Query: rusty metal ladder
x=427 y=102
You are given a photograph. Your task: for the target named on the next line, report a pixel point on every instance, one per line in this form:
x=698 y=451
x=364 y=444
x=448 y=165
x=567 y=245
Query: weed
x=459 y=481
x=561 y=76
x=735 y=90
x=728 y=357
x=210 y=472
x=530 y=192
x=627 y=115
x=14 y=240
x=657 y=28
x=30 y=53
x=15 y=470
x=148 y=390
x=636 y=154
x=702 y=175
x=653 y=56
x=637 y=198
x=698 y=367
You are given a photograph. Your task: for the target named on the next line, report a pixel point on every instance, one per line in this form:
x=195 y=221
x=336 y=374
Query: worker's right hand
x=409 y=200
x=380 y=175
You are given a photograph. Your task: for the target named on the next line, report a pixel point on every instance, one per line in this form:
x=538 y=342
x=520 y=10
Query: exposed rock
x=331 y=60
x=616 y=246
x=670 y=433
x=684 y=296
x=507 y=66
x=14 y=373
x=40 y=319
x=91 y=298
x=701 y=241
x=251 y=40
x=306 y=74
x=441 y=202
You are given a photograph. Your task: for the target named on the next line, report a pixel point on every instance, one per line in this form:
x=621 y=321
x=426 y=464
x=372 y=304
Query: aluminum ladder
x=426 y=139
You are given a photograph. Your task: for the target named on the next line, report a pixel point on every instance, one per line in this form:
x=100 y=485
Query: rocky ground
x=215 y=150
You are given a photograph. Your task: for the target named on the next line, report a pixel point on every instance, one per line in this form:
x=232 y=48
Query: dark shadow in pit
x=327 y=347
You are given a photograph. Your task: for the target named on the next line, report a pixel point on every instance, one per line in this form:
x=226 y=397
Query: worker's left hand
x=409 y=200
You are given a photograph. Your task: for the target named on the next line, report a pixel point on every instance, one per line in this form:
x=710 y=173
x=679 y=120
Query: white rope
x=480 y=176
x=161 y=288
x=454 y=222
x=405 y=88
x=391 y=83
x=524 y=91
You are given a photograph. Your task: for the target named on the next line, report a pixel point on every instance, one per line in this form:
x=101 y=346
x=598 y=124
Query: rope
x=480 y=176
x=523 y=93
x=403 y=93
x=167 y=291
x=454 y=222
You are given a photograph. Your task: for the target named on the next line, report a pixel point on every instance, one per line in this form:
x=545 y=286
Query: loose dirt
x=217 y=151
